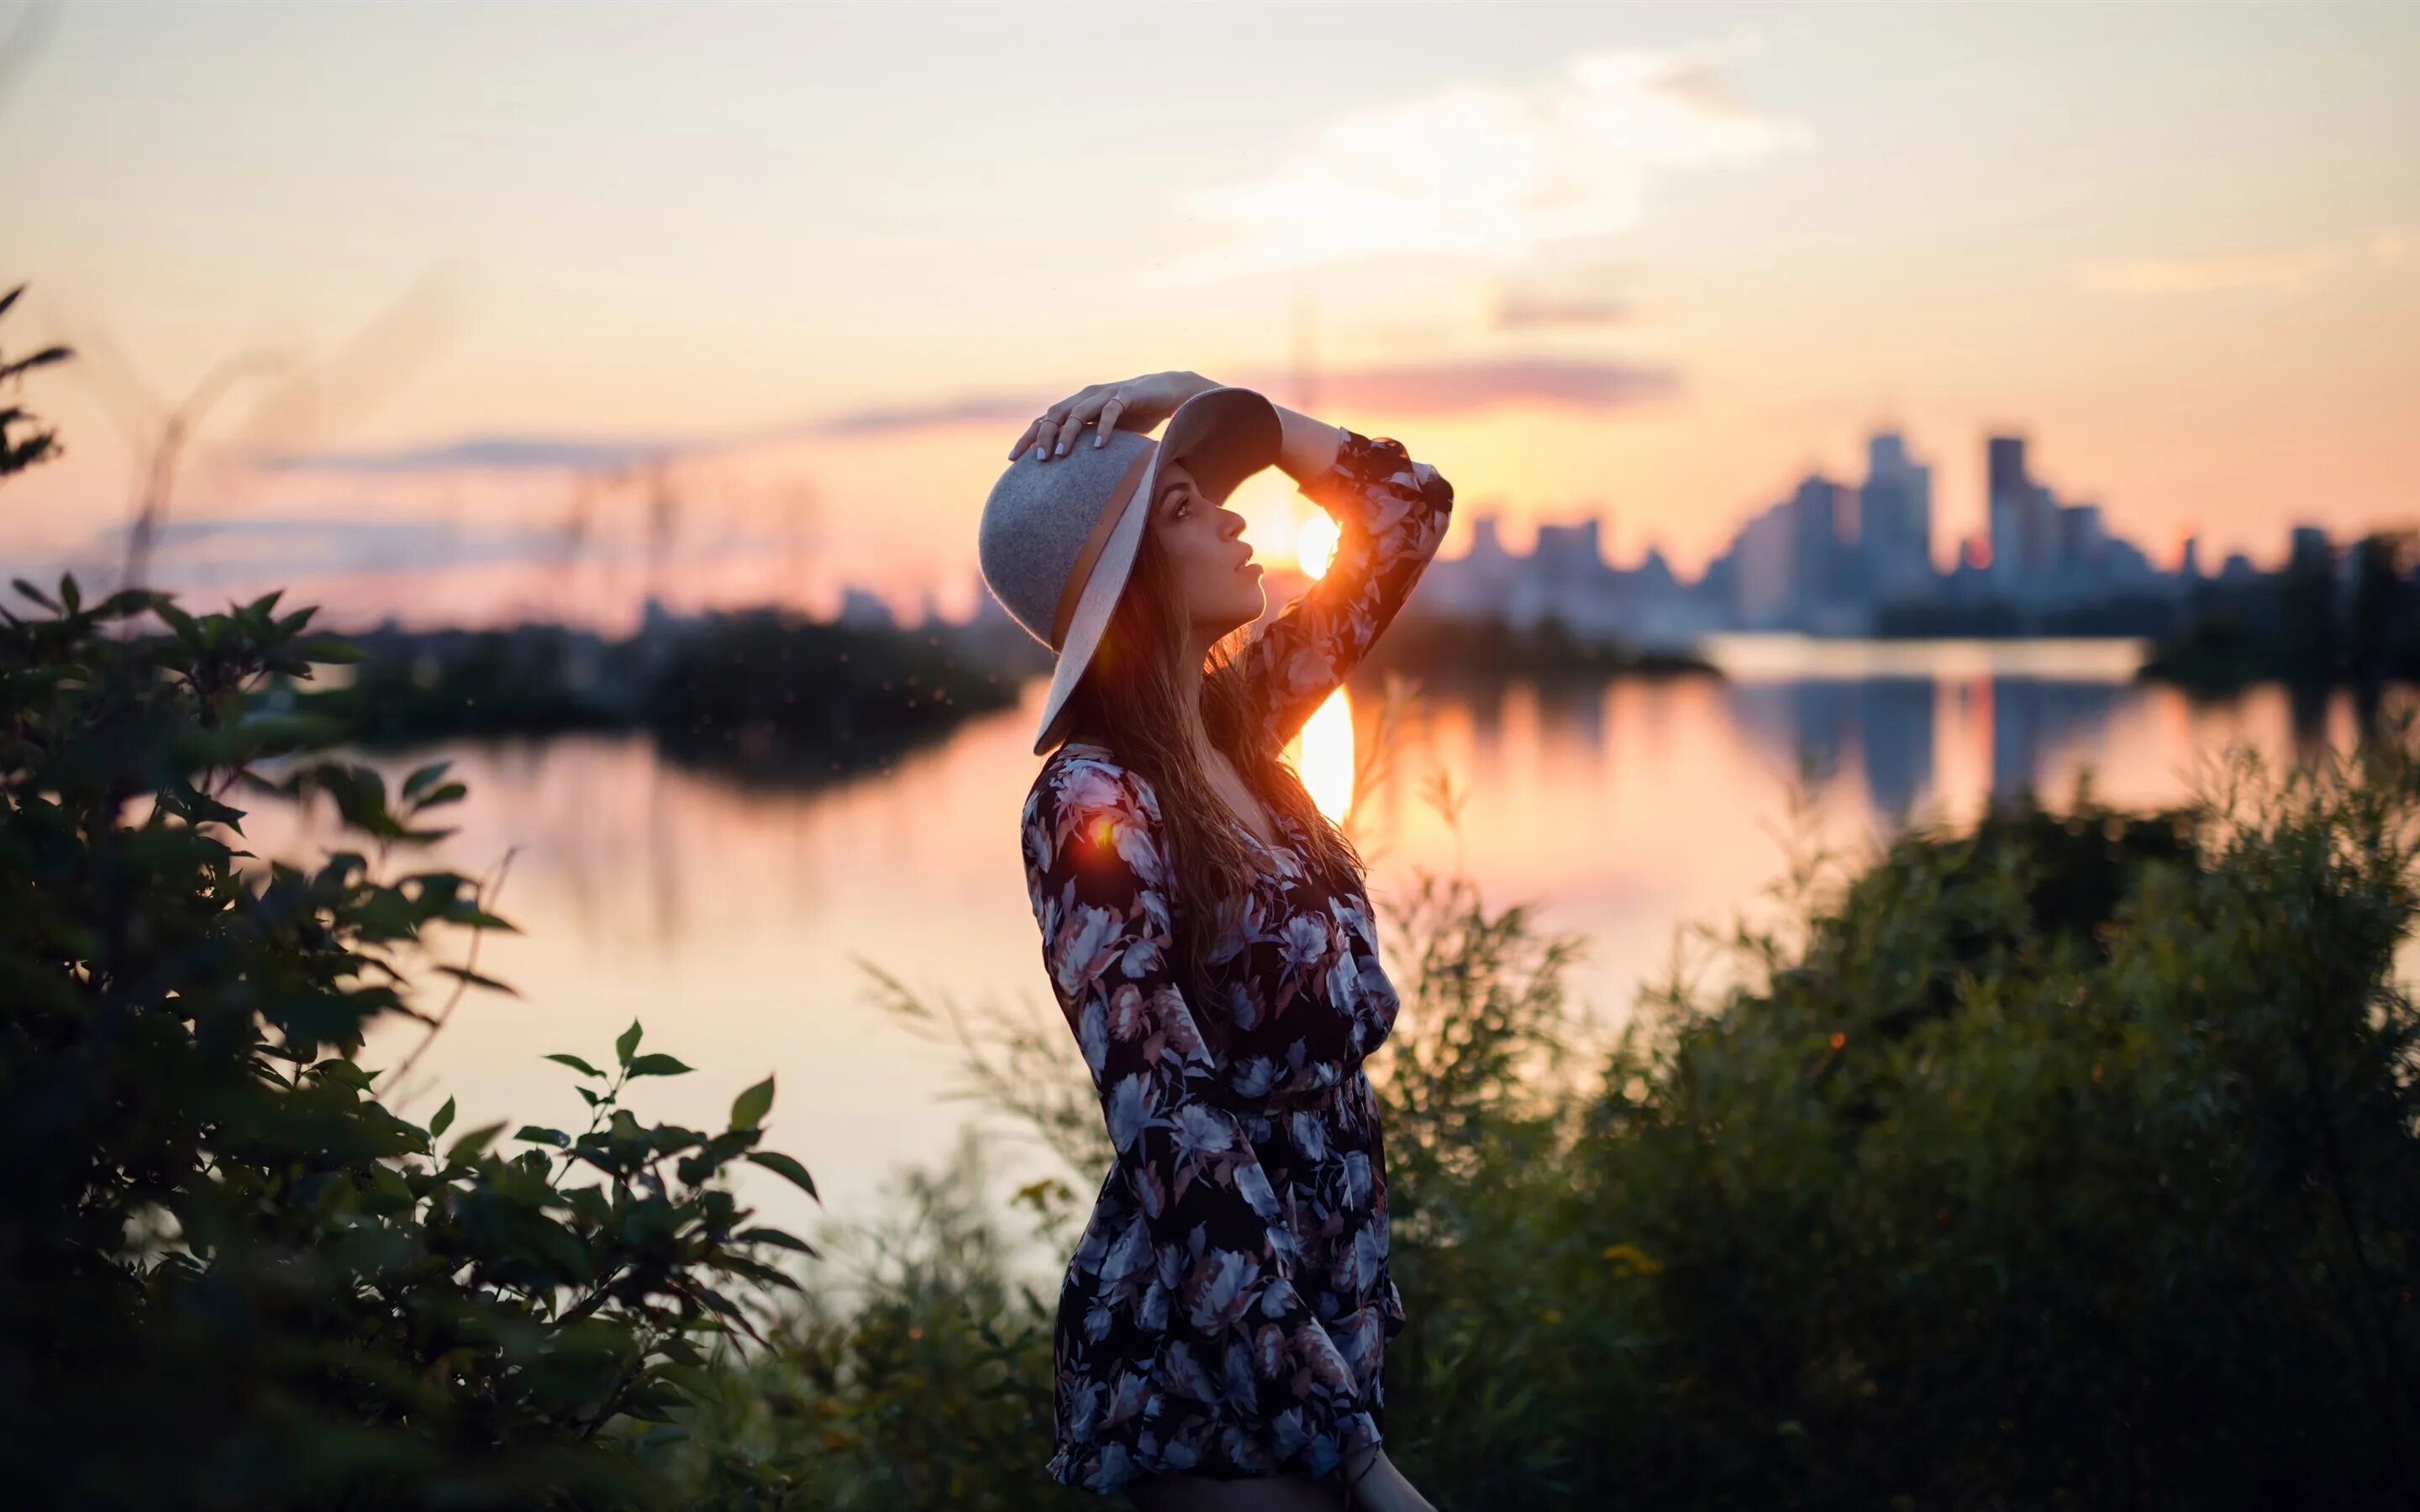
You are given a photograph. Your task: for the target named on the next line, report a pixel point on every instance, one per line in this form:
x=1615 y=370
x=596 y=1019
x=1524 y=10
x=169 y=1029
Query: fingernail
x=1096 y=438
x=1062 y=449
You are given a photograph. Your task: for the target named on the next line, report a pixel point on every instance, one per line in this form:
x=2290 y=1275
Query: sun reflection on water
x=1323 y=753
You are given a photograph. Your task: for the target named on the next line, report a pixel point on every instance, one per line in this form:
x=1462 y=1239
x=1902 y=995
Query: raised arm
x=1207 y=1263
x=1391 y=513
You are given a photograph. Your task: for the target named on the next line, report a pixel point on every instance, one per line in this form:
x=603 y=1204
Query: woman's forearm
x=1309 y=451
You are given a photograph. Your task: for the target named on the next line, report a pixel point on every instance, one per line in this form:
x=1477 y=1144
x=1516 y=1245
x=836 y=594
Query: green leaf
x=775 y=1161
x=329 y=649
x=749 y=1108
x=472 y=1145
x=443 y=1120
x=658 y=1066
x=177 y=620
x=576 y=1064
x=424 y=779
x=538 y=1136
x=626 y=1043
x=465 y=973
x=772 y=1236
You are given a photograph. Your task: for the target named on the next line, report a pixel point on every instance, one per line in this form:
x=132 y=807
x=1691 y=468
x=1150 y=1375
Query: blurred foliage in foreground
x=229 y=1276
x=2070 y=1160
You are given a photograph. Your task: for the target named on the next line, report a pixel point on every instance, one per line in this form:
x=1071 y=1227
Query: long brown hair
x=1128 y=700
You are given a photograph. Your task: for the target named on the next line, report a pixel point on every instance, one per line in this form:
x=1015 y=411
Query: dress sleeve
x=1204 y=1271
x=1391 y=513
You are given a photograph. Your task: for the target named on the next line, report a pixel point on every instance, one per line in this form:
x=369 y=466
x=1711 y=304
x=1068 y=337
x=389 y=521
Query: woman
x=1221 y=1324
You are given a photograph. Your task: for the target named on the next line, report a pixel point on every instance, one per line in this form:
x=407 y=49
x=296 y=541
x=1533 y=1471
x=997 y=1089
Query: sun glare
x=1323 y=753
x=1314 y=545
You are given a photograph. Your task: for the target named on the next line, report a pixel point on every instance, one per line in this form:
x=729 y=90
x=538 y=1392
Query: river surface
x=735 y=920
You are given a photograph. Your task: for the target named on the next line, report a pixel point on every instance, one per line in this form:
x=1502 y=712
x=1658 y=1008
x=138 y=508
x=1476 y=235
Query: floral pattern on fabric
x=1228 y=1306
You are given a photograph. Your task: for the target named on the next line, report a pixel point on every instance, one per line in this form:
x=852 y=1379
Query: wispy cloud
x=2289 y=271
x=207 y=553
x=1470 y=387
x=241 y=547
x=506 y=454
x=607 y=453
x=1526 y=310
x=1478 y=171
x=969 y=409
x=1438 y=387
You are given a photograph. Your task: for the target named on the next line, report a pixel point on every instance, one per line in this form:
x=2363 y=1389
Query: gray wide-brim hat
x=1057 y=538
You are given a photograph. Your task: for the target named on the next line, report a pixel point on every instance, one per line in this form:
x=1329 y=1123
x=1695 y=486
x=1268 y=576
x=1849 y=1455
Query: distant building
x=2009 y=506
x=1826 y=561
x=1764 y=583
x=989 y=613
x=1895 y=519
x=2041 y=530
x=2307 y=547
x=1567 y=580
x=1819 y=541
x=862 y=609
x=2082 y=541
x=1476 y=585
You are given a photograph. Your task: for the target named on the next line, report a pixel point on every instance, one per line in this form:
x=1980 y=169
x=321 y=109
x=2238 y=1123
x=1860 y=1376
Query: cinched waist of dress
x=1287 y=1098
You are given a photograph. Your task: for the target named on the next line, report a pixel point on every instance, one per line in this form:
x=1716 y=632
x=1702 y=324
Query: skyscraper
x=1765 y=576
x=2083 y=539
x=1818 y=546
x=1894 y=518
x=2010 y=502
x=2006 y=458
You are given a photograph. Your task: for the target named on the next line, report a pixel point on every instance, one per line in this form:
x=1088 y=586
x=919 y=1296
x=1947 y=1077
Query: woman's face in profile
x=1203 y=544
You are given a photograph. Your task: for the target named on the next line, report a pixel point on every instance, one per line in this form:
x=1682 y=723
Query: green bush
x=229 y=1277
x=926 y=1383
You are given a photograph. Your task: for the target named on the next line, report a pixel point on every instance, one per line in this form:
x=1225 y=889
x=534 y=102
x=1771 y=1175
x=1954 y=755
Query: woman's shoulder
x=1081 y=778
x=1085 y=804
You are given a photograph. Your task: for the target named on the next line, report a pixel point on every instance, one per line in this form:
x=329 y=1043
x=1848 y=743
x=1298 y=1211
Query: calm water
x=732 y=919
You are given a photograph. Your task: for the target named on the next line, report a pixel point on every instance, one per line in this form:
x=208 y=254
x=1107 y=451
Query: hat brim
x=1222 y=436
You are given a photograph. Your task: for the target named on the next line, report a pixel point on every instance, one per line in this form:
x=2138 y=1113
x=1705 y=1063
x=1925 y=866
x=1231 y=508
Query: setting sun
x=1314 y=545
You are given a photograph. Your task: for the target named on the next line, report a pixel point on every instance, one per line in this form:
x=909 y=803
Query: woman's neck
x=1188 y=702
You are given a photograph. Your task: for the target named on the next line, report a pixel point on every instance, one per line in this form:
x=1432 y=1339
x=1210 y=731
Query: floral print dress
x=1227 y=1307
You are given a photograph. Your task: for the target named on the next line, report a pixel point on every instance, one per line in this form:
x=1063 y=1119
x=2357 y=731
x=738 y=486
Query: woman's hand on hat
x=1135 y=404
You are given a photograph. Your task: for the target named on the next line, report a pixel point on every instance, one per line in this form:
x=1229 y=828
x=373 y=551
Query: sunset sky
x=1648 y=264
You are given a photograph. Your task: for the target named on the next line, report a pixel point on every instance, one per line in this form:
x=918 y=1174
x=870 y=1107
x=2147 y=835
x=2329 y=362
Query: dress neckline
x=1253 y=835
